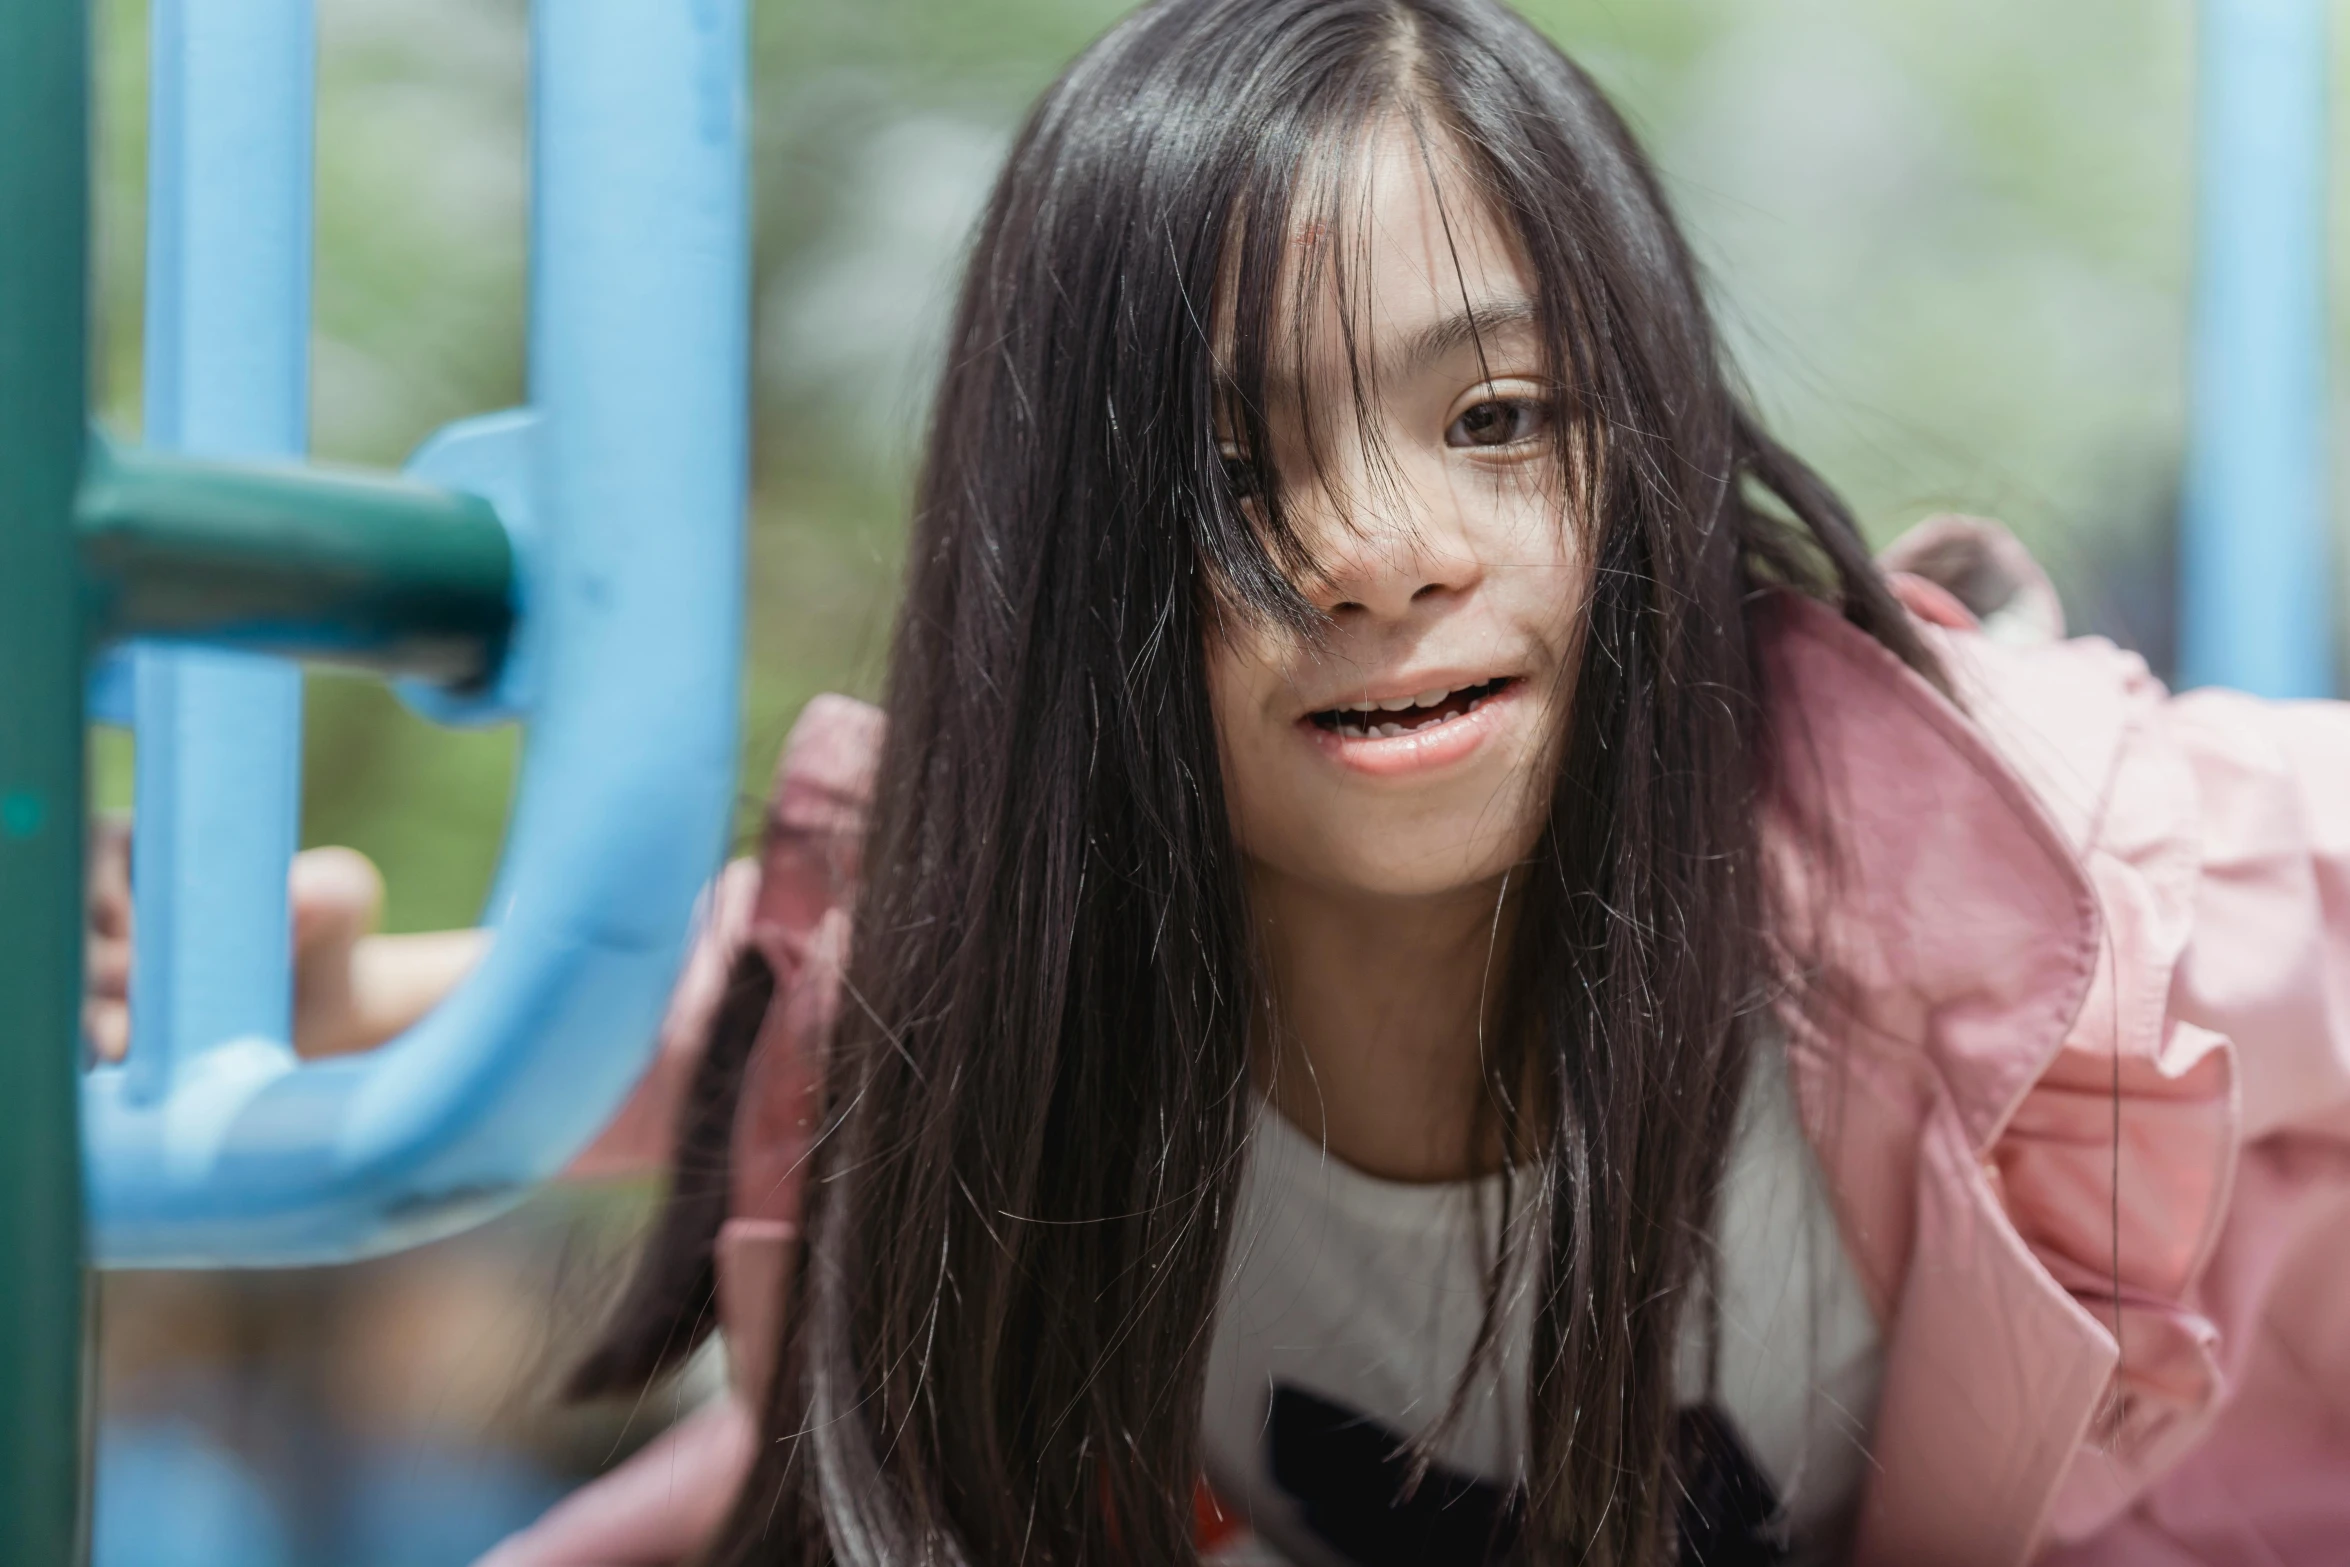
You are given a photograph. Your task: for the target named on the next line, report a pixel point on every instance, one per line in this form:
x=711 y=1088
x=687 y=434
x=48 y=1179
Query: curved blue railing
x=622 y=488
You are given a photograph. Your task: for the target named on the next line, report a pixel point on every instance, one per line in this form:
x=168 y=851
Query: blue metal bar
x=639 y=382
x=623 y=492
x=227 y=375
x=2255 y=564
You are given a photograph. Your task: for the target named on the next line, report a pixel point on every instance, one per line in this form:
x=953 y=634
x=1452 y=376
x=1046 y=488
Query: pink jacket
x=2078 y=929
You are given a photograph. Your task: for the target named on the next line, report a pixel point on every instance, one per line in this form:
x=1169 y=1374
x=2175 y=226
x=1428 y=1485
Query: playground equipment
x=574 y=565
x=2255 y=559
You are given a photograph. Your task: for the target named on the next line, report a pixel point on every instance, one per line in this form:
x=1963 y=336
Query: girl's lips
x=1419 y=750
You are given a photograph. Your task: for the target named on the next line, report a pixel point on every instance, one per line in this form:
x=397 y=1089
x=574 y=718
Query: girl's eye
x=1499 y=421
x=1239 y=473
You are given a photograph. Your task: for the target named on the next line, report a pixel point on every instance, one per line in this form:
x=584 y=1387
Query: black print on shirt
x=1727 y=1511
x=1347 y=1474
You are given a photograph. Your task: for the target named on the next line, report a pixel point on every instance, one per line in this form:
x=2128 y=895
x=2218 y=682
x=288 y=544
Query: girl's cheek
x=1232 y=697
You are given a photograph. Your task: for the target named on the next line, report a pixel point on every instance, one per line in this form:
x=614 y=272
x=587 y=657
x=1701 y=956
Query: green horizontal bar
x=375 y=572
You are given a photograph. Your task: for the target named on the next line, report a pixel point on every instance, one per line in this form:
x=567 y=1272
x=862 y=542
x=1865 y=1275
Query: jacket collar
x=1952 y=937
x=1944 y=898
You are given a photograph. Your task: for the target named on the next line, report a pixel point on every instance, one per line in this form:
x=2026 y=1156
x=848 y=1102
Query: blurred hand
x=353 y=989
x=106 y=952
x=661 y=1507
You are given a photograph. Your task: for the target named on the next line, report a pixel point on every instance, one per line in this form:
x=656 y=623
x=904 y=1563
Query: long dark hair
x=1039 y=1089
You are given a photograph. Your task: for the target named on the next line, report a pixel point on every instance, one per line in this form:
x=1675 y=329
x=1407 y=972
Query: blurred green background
x=1949 y=239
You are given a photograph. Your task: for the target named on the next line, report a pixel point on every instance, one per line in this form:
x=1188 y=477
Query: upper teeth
x=1396 y=704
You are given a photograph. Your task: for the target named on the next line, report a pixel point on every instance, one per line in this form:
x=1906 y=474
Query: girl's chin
x=1424 y=861
x=1420 y=882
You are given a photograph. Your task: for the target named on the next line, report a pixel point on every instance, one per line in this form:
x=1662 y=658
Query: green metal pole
x=44 y=193
x=353 y=568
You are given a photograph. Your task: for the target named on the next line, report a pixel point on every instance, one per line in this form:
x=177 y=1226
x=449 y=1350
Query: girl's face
x=1409 y=752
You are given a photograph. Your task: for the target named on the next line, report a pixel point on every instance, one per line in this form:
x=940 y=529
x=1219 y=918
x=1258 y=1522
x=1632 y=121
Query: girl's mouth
x=1412 y=715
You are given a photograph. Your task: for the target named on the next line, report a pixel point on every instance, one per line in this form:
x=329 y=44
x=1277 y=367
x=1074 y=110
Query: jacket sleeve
x=662 y=1506
x=816 y=813
x=2268 y=964
x=2265 y=967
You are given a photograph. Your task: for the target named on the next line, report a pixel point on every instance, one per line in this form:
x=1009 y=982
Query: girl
x=1444 y=971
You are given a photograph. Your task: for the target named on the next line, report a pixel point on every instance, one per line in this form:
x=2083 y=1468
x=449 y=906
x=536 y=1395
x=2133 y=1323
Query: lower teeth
x=1391 y=731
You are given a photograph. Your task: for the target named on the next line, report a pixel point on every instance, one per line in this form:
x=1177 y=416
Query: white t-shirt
x=1351 y=1306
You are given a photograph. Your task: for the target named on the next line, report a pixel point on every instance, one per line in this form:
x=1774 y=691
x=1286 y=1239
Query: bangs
x=1288 y=330
x=1293 y=326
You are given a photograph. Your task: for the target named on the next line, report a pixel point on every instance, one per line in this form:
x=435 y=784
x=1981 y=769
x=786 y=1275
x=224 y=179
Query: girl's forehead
x=1392 y=258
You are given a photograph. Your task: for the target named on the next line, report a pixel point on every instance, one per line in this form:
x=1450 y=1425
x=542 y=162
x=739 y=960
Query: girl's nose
x=1384 y=574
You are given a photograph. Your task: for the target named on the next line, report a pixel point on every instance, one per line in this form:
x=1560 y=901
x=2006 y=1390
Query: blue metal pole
x=622 y=489
x=2256 y=577
x=227 y=375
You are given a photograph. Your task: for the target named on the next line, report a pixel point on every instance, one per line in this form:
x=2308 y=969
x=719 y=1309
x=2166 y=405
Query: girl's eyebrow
x=1424 y=347
x=1471 y=324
